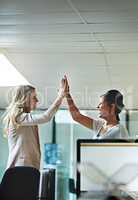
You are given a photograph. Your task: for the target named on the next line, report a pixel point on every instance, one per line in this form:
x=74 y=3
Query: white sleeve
x=97 y=125
x=28 y=119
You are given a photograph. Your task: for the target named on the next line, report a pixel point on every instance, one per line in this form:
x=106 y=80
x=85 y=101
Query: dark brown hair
x=114 y=97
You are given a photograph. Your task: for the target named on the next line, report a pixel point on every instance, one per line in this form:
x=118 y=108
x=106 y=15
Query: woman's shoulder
x=123 y=130
x=120 y=131
x=98 y=123
x=23 y=116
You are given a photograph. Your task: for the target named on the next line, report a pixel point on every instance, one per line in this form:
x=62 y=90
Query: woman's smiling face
x=105 y=110
x=33 y=100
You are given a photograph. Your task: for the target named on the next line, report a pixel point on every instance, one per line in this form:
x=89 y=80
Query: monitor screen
x=102 y=161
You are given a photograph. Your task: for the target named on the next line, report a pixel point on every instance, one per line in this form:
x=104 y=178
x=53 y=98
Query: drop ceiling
x=95 y=42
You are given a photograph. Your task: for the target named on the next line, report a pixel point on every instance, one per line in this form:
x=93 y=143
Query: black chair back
x=20 y=183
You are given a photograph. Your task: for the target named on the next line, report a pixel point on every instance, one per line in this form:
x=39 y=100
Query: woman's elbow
x=45 y=119
x=75 y=116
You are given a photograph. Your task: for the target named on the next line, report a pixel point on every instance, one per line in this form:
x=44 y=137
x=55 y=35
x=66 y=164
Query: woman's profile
x=109 y=107
x=21 y=125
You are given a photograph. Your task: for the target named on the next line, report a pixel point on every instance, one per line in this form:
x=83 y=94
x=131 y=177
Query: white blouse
x=23 y=142
x=116 y=132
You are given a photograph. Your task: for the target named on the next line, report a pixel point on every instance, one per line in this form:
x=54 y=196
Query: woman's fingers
x=64 y=87
x=66 y=83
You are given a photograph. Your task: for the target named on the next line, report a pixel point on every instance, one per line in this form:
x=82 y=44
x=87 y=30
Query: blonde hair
x=20 y=103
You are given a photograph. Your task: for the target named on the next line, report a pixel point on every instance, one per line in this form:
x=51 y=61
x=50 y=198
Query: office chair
x=20 y=183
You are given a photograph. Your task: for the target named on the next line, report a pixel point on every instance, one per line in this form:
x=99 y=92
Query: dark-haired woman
x=108 y=126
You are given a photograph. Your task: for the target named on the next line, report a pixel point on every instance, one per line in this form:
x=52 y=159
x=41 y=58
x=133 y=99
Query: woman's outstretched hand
x=64 y=87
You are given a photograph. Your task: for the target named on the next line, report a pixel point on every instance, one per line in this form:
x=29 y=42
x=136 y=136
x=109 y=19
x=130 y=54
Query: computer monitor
x=106 y=160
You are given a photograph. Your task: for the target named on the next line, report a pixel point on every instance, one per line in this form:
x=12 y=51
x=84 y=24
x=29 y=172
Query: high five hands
x=64 y=87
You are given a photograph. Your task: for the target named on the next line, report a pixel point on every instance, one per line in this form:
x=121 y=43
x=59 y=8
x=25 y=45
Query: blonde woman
x=21 y=125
